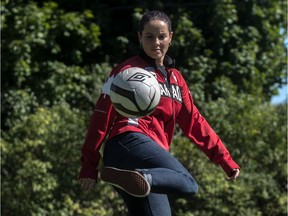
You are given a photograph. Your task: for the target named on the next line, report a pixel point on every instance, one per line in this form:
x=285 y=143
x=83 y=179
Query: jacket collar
x=168 y=61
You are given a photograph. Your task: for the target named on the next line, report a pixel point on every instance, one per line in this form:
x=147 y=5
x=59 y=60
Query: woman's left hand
x=235 y=174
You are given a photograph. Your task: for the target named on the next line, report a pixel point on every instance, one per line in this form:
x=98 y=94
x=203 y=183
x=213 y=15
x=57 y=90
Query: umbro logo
x=138 y=77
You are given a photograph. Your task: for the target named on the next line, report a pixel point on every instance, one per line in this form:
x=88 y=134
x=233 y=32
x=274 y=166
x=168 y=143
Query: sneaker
x=132 y=182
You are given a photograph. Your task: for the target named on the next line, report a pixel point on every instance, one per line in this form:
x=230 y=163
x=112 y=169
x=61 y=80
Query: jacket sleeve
x=99 y=126
x=199 y=131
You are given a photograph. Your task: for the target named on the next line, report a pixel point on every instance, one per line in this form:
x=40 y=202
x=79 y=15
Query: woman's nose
x=157 y=41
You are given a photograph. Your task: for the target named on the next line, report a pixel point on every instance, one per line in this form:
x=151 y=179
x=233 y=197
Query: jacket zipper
x=168 y=83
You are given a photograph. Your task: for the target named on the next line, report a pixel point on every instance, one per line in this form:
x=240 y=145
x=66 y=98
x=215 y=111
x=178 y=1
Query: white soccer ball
x=135 y=92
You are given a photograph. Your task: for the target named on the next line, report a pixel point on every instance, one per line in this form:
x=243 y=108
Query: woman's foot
x=132 y=182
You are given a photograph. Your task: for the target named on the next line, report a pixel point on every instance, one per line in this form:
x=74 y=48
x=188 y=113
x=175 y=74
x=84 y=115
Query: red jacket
x=176 y=106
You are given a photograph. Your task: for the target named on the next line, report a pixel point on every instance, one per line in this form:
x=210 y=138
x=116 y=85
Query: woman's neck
x=166 y=61
x=159 y=62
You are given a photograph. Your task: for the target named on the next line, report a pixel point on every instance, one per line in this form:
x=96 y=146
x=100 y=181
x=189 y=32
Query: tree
x=47 y=59
x=56 y=56
x=255 y=136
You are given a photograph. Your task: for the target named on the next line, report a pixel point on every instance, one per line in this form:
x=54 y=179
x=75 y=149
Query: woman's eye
x=151 y=37
x=162 y=37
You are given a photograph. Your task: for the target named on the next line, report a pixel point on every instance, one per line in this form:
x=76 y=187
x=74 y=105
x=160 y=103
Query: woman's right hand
x=87 y=183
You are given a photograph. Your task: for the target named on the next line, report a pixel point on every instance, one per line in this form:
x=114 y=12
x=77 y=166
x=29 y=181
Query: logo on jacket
x=175 y=78
x=174 y=92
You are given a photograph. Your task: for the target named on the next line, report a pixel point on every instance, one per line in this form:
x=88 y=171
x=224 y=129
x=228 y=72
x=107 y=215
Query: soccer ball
x=135 y=92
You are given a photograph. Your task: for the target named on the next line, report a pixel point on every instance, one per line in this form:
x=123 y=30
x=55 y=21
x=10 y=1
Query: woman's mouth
x=156 y=50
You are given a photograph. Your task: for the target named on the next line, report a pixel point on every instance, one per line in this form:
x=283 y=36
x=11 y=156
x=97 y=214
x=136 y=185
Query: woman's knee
x=191 y=187
x=194 y=188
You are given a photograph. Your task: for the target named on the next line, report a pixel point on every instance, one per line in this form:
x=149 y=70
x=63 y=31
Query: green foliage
x=49 y=52
x=56 y=56
x=34 y=153
x=16 y=105
x=255 y=135
x=40 y=163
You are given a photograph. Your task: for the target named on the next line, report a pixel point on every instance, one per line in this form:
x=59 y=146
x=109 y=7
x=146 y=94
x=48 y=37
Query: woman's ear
x=171 y=35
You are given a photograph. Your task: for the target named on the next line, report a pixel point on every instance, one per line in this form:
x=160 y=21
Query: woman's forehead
x=156 y=26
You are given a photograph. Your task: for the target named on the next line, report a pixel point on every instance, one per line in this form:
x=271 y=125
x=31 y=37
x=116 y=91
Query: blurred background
x=56 y=56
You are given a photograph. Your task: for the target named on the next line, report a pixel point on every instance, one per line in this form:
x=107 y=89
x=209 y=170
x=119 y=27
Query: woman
x=136 y=154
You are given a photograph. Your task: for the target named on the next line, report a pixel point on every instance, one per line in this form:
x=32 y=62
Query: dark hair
x=154 y=15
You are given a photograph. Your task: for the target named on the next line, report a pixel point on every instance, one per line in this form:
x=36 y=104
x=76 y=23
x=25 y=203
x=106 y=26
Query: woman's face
x=155 y=39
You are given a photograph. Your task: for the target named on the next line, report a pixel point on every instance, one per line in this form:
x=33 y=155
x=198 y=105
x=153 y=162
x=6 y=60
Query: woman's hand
x=235 y=174
x=87 y=183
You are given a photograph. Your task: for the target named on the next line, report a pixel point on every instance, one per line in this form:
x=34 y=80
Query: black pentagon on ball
x=131 y=96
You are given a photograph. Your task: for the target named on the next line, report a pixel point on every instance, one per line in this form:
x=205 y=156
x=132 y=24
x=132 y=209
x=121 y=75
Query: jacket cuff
x=88 y=172
x=228 y=166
